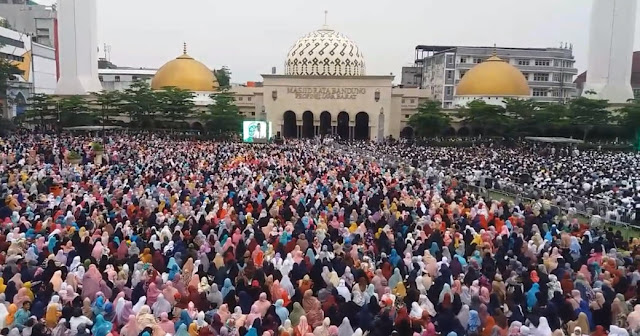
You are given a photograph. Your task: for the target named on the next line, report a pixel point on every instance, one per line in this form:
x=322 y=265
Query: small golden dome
x=493 y=77
x=185 y=73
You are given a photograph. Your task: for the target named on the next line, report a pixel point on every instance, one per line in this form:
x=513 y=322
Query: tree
x=222 y=116
x=175 y=103
x=223 y=75
x=587 y=113
x=41 y=107
x=73 y=110
x=8 y=72
x=429 y=120
x=630 y=119
x=480 y=115
x=139 y=101
x=109 y=102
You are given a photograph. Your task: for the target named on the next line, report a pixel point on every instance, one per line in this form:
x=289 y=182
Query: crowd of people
x=608 y=182
x=158 y=236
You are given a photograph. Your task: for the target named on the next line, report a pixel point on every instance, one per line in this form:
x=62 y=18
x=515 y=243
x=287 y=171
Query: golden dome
x=185 y=73
x=493 y=77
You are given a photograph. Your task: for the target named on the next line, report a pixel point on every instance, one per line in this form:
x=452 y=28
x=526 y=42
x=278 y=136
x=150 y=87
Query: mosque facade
x=325 y=90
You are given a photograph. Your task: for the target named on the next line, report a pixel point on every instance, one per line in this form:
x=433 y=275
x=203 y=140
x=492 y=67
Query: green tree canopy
x=139 y=101
x=480 y=115
x=223 y=75
x=429 y=120
x=222 y=116
x=73 y=111
x=108 y=105
x=587 y=113
x=175 y=103
x=41 y=109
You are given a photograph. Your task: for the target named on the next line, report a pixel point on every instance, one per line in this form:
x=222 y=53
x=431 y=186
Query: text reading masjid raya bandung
x=326 y=93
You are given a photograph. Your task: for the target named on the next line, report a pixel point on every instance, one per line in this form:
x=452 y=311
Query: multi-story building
x=37 y=63
x=121 y=78
x=550 y=72
x=29 y=17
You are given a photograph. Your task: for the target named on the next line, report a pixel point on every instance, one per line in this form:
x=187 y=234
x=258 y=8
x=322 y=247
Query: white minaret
x=613 y=24
x=78 y=42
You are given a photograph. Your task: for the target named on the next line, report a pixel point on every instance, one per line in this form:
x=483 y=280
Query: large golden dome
x=185 y=73
x=493 y=77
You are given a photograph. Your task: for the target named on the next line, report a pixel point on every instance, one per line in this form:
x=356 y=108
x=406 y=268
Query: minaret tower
x=613 y=24
x=78 y=43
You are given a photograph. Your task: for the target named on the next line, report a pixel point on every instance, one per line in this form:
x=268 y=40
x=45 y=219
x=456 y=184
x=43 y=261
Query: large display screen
x=254 y=131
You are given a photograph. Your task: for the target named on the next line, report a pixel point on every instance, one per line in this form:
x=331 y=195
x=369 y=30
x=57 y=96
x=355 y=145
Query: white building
x=550 y=72
x=37 y=63
x=121 y=78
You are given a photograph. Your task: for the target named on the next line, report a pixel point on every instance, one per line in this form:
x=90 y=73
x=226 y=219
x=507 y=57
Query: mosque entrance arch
x=343 y=125
x=289 y=128
x=325 y=123
x=407 y=133
x=307 y=124
x=361 y=131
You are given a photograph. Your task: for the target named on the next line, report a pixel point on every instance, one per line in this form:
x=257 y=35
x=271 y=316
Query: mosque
x=325 y=89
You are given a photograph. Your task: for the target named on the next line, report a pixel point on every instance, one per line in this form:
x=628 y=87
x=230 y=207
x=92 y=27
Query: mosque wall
x=369 y=94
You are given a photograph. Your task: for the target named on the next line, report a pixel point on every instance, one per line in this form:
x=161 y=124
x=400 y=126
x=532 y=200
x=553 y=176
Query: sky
x=251 y=36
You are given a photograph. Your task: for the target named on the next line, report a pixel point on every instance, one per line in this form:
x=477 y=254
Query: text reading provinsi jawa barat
x=326 y=92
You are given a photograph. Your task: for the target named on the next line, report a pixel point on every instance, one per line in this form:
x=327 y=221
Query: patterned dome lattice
x=325 y=52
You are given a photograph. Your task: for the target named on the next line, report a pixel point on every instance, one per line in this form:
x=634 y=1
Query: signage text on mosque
x=326 y=92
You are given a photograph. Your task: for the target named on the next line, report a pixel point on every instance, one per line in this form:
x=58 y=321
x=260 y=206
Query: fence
x=594 y=212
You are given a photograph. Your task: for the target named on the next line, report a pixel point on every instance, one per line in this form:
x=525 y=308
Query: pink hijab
x=96 y=253
x=152 y=294
x=169 y=292
x=91 y=282
x=263 y=304
x=166 y=325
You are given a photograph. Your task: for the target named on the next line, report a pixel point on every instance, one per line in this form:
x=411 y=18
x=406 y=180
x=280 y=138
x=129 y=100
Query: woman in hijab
x=165 y=324
x=282 y=312
x=101 y=327
x=303 y=327
x=312 y=308
x=161 y=306
x=226 y=288
x=91 y=282
x=295 y=315
x=184 y=319
x=345 y=328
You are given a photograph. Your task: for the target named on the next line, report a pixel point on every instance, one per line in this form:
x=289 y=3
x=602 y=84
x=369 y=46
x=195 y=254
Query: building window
x=556 y=63
x=412 y=101
x=542 y=62
x=449 y=74
x=526 y=75
x=463 y=60
x=100 y=78
x=449 y=59
x=556 y=93
x=540 y=92
x=477 y=60
x=557 y=77
x=406 y=116
x=448 y=90
x=541 y=77
x=248 y=98
x=523 y=62
x=447 y=105
x=253 y=113
x=240 y=98
x=403 y=100
x=462 y=73
x=117 y=79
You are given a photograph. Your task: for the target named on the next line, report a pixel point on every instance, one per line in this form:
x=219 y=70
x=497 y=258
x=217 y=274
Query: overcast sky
x=251 y=36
